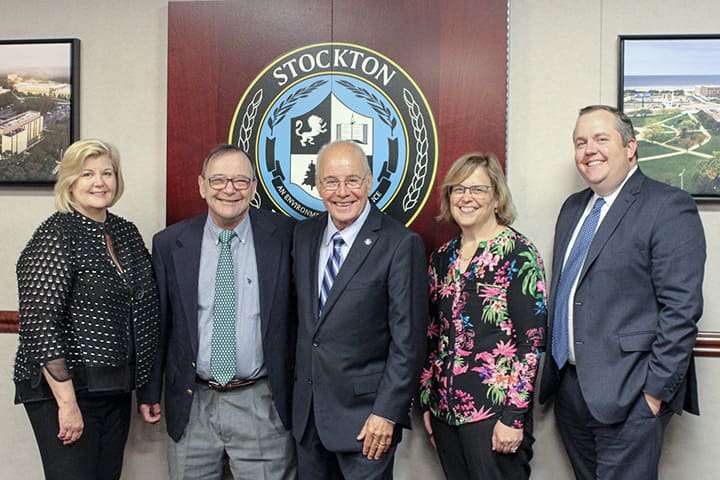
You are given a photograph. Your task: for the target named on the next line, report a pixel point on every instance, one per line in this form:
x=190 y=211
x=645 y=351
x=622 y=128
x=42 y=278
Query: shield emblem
x=330 y=120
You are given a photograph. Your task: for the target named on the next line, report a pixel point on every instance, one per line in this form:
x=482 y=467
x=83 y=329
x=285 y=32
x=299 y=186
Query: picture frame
x=669 y=86
x=39 y=107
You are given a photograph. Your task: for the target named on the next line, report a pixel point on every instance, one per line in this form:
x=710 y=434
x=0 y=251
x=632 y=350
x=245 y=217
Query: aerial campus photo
x=671 y=92
x=35 y=110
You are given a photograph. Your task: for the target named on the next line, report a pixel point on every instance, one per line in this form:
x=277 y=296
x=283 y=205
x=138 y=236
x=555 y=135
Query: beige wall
x=563 y=55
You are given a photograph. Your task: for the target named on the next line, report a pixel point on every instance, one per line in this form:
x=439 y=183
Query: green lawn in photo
x=647 y=149
x=667 y=170
x=641 y=121
x=712 y=146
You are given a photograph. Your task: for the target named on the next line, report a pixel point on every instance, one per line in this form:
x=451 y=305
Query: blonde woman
x=88 y=320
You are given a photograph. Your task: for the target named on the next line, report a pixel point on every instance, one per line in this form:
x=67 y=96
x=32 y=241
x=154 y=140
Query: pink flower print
x=459 y=369
x=490 y=291
x=433 y=330
x=482 y=414
x=446 y=290
x=485 y=357
x=426 y=376
x=487 y=259
x=503 y=349
x=536 y=336
x=506 y=327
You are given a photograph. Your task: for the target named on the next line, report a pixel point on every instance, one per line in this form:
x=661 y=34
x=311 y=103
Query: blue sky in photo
x=672 y=57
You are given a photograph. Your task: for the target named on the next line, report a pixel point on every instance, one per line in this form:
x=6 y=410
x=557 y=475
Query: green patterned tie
x=222 y=356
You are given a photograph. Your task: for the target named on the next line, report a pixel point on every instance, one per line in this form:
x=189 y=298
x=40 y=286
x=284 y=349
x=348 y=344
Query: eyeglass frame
x=345 y=181
x=481 y=190
x=230 y=180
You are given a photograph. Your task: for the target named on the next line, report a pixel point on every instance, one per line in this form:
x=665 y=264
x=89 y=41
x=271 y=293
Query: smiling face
x=340 y=162
x=600 y=156
x=229 y=205
x=94 y=190
x=474 y=212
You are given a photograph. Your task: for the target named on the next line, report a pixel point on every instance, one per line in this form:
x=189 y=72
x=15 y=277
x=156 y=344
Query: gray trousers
x=241 y=425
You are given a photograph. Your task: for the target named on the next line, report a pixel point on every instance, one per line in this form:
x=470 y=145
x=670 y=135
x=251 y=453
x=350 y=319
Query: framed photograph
x=670 y=89
x=39 y=107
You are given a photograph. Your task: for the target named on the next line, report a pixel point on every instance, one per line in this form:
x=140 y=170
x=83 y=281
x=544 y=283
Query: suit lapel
x=310 y=252
x=565 y=232
x=364 y=243
x=267 y=258
x=621 y=205
x=186 y=259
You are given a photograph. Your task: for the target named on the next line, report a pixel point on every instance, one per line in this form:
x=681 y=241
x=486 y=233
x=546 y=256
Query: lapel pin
x=368 y=241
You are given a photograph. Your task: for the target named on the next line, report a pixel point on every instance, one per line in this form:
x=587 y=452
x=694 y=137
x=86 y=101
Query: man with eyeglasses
x=362 y=320
x=228 y=328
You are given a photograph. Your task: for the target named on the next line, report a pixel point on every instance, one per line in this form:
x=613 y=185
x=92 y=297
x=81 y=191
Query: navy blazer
x=637 y=301
x=365 y=353
x=176 y=258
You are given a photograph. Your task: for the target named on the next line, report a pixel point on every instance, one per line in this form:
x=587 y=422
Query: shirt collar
x=610 y=198
x=241 y=230
x=350 y=232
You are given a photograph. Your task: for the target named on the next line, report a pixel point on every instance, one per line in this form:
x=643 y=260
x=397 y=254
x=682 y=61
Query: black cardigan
x=79 y=314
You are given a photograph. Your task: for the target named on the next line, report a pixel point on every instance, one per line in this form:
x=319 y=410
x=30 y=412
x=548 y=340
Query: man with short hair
x=362 y=308
x=227 y=332
x=626 y=295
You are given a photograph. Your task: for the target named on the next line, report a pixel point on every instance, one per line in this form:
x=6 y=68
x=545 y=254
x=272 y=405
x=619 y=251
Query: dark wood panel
x=215 y=50
x=8 y=321
x=454 y=51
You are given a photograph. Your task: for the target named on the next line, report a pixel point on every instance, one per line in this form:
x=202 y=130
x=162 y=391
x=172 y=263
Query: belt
x=232 y=385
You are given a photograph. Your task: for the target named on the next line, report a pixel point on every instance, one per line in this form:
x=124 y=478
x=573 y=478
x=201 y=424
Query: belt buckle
x=219 y=388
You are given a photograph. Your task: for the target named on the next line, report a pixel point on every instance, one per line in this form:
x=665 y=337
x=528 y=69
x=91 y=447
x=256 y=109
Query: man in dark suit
x=212 y=413
x=362 y=308
x=623 y=320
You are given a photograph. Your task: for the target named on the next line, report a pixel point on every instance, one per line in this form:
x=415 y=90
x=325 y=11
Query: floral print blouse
x=486 y=330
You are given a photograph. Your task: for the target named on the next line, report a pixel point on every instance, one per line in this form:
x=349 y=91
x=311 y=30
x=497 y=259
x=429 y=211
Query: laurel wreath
x=421 y=157
x=248 y=121
x=256 y=200
x=278 y=114
x=375 y=103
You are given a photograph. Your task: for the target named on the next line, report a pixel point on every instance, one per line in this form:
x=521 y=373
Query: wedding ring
x=382 y=444
x=513 y=450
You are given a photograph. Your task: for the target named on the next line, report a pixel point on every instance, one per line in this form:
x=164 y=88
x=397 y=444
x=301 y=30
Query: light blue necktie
x=222 y=352
x=561 y=337
x=331 y=270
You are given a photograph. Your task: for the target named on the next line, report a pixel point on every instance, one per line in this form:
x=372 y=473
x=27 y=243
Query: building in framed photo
x=38 y=107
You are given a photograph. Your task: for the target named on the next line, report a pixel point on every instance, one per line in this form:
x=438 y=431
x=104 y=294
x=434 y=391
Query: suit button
x=193 y=364
x=316 y=344
x=189 y=391
x=309 y=381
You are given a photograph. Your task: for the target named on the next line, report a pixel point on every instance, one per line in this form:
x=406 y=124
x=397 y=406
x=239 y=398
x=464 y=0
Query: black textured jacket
x=79 y=314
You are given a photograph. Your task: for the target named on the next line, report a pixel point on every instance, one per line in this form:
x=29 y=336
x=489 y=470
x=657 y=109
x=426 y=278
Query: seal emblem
x=337 y=91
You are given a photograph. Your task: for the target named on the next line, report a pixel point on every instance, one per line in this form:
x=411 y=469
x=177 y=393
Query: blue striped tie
x=561 y=320
x=331 y=270
x=222 y=351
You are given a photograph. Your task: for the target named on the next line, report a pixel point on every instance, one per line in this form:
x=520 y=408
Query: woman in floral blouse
x=487 y=325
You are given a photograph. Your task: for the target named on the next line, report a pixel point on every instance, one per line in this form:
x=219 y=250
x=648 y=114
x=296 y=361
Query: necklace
x=464 y=257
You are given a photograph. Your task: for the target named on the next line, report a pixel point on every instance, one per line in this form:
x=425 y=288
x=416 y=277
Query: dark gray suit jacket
x=176 y=259
x=365 y=353
x=637 y=302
